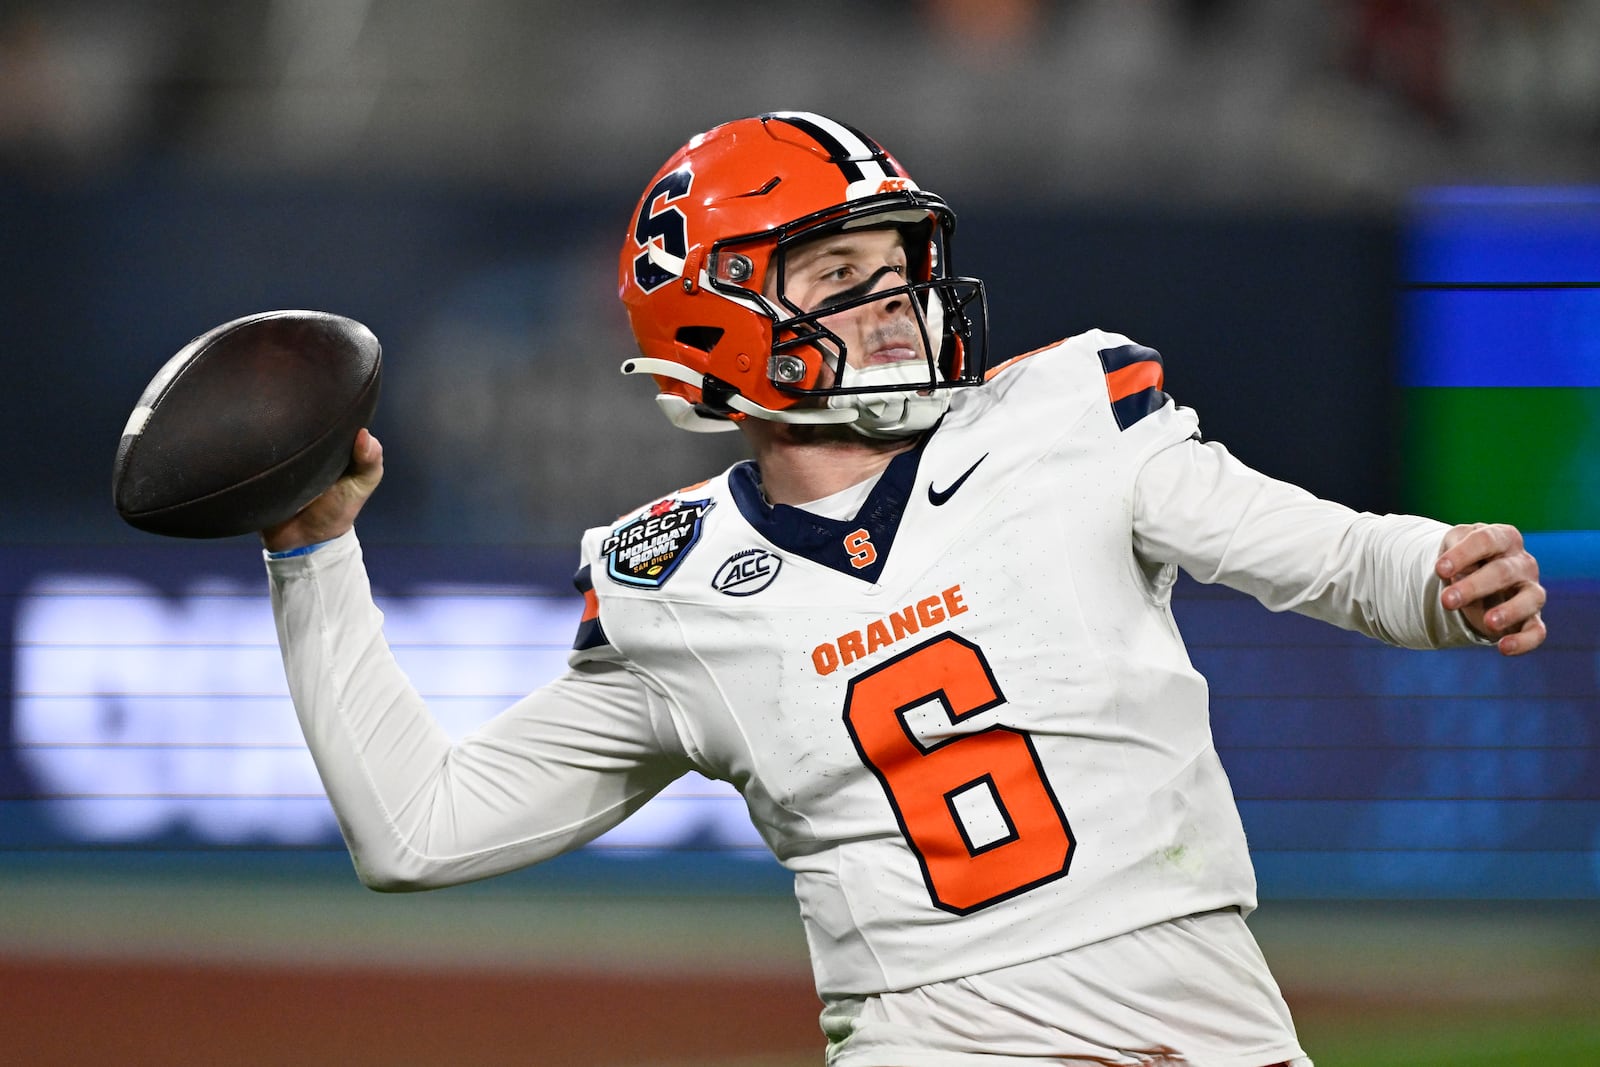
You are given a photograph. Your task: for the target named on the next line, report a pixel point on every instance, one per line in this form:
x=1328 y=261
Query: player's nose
x=886 y=279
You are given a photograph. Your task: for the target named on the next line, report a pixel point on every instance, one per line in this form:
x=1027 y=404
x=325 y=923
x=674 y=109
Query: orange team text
x=928 y=612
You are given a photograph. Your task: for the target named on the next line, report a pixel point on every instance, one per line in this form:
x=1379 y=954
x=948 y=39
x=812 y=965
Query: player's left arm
x=1197 y=506
x=1493 y=581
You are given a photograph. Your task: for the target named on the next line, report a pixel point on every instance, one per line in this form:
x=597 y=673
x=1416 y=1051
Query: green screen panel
x=1527 y=456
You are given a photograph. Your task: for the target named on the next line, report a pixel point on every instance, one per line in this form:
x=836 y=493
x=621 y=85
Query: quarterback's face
x=841 y=267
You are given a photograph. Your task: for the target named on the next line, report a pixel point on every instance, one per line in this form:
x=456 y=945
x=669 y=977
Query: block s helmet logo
x=662 y=236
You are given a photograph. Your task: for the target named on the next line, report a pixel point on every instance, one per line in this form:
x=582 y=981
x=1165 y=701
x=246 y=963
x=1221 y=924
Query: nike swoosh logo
x=937 y=497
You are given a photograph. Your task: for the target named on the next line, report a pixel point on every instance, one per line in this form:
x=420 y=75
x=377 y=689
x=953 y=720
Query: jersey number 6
x=1028 y=843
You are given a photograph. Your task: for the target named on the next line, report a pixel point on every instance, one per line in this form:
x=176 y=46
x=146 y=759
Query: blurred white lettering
x=139 y=715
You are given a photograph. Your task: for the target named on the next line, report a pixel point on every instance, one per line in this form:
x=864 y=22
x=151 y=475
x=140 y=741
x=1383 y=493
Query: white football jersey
x=963 y=716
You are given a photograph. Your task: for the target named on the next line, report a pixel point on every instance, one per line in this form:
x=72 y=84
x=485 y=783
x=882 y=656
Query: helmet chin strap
x=899 y=400
x=683 y=415
x=893 y=412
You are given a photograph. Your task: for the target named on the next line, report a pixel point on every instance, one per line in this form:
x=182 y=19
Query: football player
x=925 y=632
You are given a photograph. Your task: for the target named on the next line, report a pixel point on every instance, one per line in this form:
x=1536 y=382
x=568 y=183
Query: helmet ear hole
x=701 y=338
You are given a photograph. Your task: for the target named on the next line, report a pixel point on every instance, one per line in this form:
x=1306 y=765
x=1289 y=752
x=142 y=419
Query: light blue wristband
x=303 y=550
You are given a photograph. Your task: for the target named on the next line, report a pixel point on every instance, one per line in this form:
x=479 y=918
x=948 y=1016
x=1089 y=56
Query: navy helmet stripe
x=857 y=155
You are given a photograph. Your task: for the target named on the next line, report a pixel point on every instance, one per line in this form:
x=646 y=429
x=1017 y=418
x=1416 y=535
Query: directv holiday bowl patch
x=647 y=550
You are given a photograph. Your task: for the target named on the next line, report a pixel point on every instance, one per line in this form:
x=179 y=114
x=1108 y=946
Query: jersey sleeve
x=591 y=644
x=1197 y=506
x=556 y=769
x=1097 y=385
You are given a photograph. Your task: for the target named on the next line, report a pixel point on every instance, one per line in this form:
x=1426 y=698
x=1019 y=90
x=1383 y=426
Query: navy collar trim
x=857 y=547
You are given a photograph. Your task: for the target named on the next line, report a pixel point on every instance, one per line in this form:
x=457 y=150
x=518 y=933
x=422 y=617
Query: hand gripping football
x=247 y=424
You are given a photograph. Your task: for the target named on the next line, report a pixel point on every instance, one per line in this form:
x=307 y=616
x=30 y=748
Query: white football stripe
x=136 y=421
x=858 y=150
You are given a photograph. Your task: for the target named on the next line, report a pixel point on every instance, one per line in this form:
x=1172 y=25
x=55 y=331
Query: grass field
x=1426 y=984
x=155 y=971
x=1452 y=1039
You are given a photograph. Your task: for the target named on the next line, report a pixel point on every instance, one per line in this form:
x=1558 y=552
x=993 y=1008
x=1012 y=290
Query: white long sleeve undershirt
x=573 y=759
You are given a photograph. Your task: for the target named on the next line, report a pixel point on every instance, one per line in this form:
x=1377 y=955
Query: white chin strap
x=897 y=413
x=683 y=415
x=889 y=413
x=892 y=412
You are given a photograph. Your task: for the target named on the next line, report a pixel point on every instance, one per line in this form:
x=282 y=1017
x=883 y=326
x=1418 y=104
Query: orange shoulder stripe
x=1134 y=378
x=989 y=374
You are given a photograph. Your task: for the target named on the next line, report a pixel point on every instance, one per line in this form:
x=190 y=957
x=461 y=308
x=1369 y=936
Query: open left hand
x=1494 y=582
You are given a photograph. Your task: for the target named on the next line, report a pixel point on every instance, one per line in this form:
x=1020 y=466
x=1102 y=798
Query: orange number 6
x=925 y=782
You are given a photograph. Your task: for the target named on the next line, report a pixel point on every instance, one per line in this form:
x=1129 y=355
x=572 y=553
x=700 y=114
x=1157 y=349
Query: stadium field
x=246 y=972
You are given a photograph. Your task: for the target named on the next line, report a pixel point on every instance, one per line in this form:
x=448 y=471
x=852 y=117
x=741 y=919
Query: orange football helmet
x=709 y=236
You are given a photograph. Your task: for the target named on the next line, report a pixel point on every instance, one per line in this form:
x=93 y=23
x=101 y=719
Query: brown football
x=247 y=424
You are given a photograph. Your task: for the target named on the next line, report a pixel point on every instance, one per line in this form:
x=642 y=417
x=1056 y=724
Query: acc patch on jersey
x=746 y=573
x=647 y=550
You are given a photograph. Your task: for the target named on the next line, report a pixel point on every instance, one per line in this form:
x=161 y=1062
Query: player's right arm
x=551 y=772
x=334 y=512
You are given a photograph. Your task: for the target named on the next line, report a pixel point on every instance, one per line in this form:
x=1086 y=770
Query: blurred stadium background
x=1352 y=226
